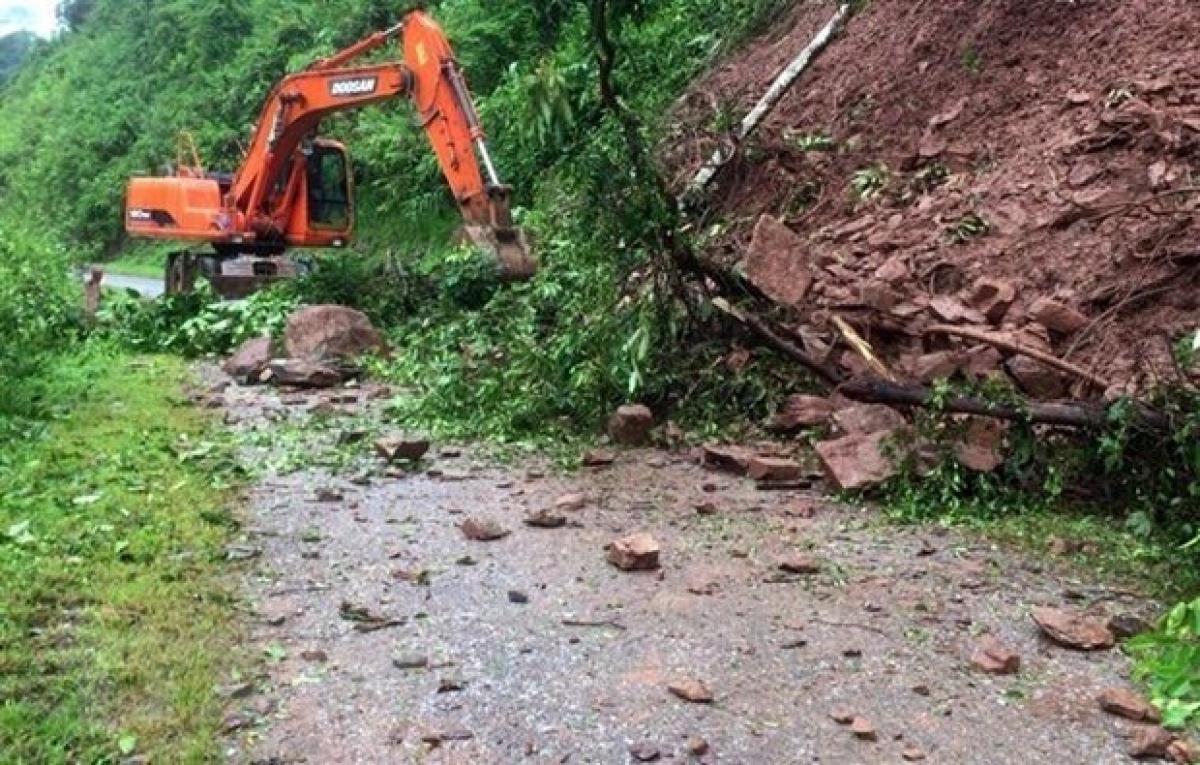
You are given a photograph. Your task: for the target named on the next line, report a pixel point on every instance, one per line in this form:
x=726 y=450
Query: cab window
x=328 y=192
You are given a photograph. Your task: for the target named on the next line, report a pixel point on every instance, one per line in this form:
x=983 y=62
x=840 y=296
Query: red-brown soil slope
x=1046 y=145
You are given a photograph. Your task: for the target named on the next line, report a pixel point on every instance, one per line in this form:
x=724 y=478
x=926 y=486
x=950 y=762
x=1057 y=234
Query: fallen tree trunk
x=827 y=372
x=767 y=103
x=1071 y=414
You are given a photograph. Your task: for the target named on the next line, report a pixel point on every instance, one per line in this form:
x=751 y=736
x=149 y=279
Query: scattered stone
x=1125 y=626
x=777 y=262
x=545 y=519
x=1073 y=630
x=571 y=503
x=395 y=448
x=692 y=691
x=1036 y=379
x=1127 y=704
x=1078 y=97
x=302 y=373
x=707 y=508
x=315 y=655
x=993 y=658
x=935 y=366
x=346 y=437
x=1057 y=317
x=842 y=716
x=242 y=552
x=1151 y=742
x=599 y=458
x=451 y=683
x=981 y=446
x=638 y=552
x=483 y=530
x=800 y=412
x=922 y=690
x=329 y=333
x=450 y=452
x=857 y=461
x=894 y=271
x=630 y=425
x=730 y=459
x=439 y=737
x=697 y=747
x=1181 y=751
x=518 y=597
x=866 y=419
x=328 y=495
x=862 y=728
x=645 y=751
x=802 y=564
x=952 y=310
x=993 y=298
x=774 y=469
x=913 y=754
x=410 y=661
x=249 y=361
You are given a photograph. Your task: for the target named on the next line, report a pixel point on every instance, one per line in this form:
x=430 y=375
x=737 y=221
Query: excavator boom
x=293 y=188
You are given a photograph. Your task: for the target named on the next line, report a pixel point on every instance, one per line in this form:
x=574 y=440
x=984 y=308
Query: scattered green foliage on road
x=1169 y=663
x=114 y=624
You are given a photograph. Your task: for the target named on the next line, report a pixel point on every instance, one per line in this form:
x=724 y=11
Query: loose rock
x=330 y=332
x=645 y=751
x=802 y=564
x=302 y=373
x=857 y=461
x=867 y=419
x=692 y=691
x=730 y=459
x=777 y=262
x=249 y=361
x=800 y=412
x=1151 y=742
x=842 y=716
x=1127 y=704
x=630 y=425
x=993 y=658
x=913 y=754
x=394 y=448
x=774 y=469
x=1057 y=317
x=599 y=458
x=483 y=530
x=571 y=503
x=862 y=728
x=546 y=519
x=697 y=747
x=1073 y=630
x=638 y=552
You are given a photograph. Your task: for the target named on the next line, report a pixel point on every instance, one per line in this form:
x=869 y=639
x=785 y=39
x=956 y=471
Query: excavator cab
x=329 y=189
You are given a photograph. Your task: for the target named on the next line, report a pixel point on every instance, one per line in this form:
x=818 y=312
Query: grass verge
x=115 y=626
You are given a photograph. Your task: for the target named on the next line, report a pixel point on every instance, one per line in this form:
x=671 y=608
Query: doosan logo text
x=357 y=87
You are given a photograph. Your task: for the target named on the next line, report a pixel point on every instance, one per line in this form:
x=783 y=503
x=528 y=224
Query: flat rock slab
x=637 y=552
x=1071 y=630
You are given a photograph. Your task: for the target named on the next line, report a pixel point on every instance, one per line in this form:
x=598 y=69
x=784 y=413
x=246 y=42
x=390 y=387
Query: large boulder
x=249 y=361
x=330 y=333
x=858 y=461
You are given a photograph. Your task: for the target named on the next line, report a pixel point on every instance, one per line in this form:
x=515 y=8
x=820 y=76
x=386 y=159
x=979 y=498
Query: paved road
x=532 y=649
x=148 y=287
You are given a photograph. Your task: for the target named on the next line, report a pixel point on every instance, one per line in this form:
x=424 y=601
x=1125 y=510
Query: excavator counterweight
x=294 y=189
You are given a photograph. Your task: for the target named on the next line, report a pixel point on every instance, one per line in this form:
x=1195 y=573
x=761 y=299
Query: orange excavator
x=294 y=189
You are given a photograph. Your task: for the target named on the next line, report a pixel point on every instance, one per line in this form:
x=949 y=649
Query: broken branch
x=827 y=373
x=1074 y=414
x=767 y=103
x=1004 y=344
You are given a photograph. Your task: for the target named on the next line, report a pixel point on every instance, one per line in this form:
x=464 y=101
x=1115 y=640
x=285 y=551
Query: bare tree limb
x=1004 y=344
x=767 y=103
x=1073 y=414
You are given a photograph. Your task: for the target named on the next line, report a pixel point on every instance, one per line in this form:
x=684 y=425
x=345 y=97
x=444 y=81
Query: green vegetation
x=1168 y=660
x=114 y=628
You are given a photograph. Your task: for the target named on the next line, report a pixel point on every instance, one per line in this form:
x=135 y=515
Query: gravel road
x=533 y=649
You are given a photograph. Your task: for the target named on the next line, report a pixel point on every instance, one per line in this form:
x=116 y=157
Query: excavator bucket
x=509 y=246
x=489 y=226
